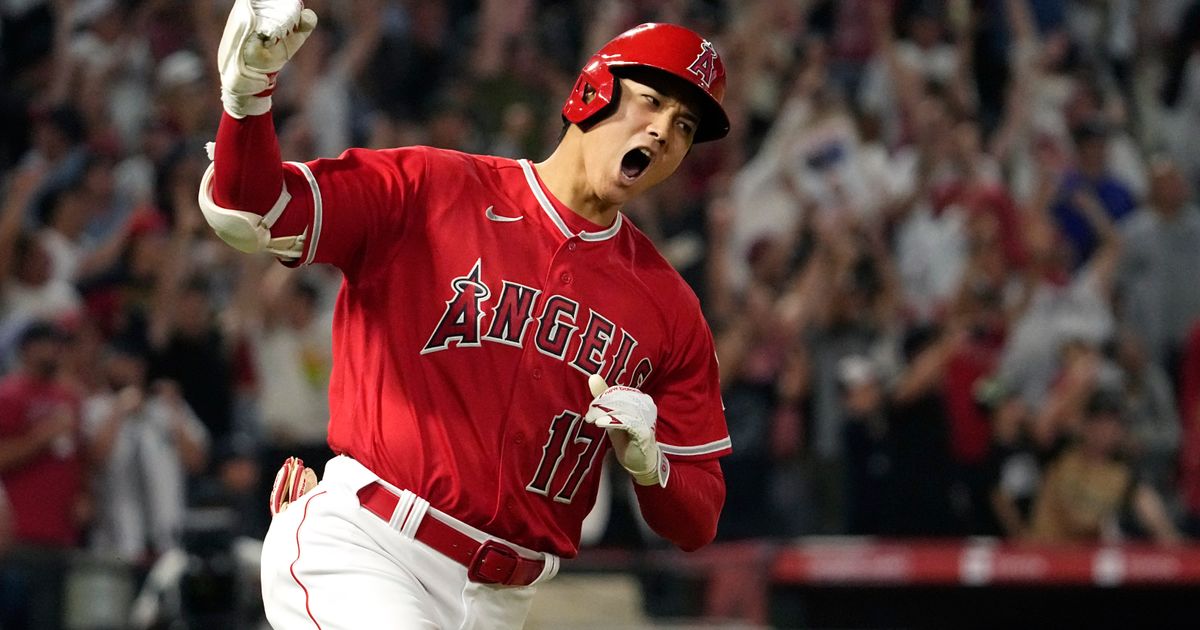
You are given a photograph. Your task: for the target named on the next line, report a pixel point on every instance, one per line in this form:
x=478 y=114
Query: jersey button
x=572 y=246
x=509 y=505
x=518 y=438
x=537 y=373
x=565 y=277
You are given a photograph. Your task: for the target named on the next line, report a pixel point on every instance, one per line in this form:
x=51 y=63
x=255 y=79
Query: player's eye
x=652 y=100
x=687 y=126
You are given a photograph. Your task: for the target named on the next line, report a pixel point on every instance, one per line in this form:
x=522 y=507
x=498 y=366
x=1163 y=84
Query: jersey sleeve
x=356 y=203
x=691 y=416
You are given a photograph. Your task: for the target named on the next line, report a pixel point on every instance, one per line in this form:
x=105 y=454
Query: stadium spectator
x=931 y=237
x=1058 y=308
x=65 y=214
x=919 y=431
x=928 y=54
x=194 y=353
x=843 y=303
x=1179 y=93
x=1087 y=487
x=764 y=378
x=144 y=441
x=42 y=469
x=30 y=289
x=979 y=312
x=1014 y=465
x=57 y=150
x=1189 y=413
x=286 y=323
x=1159 y=248
x=870 y=500
x=1088 y=188
x=1154 y=428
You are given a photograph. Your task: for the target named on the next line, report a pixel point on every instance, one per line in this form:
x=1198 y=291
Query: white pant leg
x=317 y=571
x=327 y=560
x=487 y=607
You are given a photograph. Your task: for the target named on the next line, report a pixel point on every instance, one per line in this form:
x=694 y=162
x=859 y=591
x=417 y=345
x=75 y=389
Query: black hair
x=1103 y=401
x=130 y=344
x=23 y=244
x=164 y=170
x=51 y=202
x=197 y=283
x=69 y=122
x=40 y=330
x=1091 y=129
x=865 y=276
x=918 y=339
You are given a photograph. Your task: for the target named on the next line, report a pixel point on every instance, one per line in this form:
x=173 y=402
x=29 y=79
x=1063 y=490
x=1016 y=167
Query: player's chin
x=618 y=191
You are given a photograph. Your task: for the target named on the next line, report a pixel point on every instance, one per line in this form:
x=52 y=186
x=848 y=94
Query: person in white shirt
x=145 y=440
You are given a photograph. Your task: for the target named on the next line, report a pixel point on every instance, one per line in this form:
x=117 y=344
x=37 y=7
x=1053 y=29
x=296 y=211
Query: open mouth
x=635 y=163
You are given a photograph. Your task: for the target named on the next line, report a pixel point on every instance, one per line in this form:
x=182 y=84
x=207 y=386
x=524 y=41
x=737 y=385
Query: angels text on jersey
x=520 y=314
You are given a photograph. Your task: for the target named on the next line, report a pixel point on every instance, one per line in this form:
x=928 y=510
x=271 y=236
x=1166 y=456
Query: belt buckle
x=483 y=566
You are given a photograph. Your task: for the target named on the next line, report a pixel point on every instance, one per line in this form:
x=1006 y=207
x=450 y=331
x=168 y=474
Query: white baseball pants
x=329 y=564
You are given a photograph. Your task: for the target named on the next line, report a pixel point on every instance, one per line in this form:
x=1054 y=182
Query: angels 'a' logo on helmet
x=705 y=65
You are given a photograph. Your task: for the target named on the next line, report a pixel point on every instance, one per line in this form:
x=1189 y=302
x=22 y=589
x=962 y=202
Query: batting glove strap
x=260 y=37
x=656 y=476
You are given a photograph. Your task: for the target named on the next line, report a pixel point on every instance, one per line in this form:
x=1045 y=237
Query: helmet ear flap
x=595 y=90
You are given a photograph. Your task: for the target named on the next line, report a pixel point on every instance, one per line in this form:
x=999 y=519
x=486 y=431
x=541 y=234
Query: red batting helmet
x=666 y=47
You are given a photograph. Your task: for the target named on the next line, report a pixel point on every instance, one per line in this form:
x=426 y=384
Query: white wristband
x=240 y=106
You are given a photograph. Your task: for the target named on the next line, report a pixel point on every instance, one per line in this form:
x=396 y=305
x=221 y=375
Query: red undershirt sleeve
x=248 y=171
x=686 y=511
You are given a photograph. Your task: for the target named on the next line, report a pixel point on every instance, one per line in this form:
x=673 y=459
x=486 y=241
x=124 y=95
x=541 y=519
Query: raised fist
x=260 y=37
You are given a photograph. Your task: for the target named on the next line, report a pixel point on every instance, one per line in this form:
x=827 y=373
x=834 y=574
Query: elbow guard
x=247 y=231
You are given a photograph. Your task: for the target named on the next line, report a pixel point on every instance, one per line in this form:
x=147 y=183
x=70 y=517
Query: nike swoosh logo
x=490 y=213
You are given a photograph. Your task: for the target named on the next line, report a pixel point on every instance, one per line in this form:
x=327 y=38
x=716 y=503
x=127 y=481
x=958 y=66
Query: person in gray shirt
x=1157 y=296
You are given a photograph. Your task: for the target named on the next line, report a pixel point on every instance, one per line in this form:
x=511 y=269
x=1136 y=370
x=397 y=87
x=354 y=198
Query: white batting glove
x=629 y=417
x=260 y=36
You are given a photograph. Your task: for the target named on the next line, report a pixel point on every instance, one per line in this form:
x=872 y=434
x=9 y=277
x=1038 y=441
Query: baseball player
x=500 y=327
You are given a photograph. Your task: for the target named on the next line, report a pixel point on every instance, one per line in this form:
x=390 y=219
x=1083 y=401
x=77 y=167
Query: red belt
x=491 y=562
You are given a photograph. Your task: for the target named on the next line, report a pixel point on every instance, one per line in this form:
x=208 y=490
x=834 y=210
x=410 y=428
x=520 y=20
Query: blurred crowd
x=947 y=253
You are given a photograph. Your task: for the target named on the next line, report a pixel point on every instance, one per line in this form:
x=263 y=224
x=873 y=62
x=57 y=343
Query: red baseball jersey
x=474 y=307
